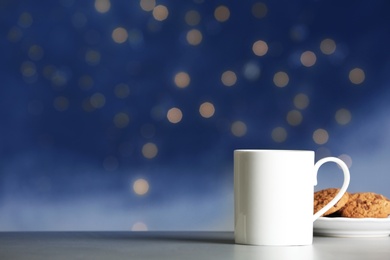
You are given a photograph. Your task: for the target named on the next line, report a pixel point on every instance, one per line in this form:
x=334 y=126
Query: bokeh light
x=238 y=128
x=35 y=52
x=320 y=136
x=14 y=34
x=28 y=69
x=252 y=71
x=141 y=186
x=121 y=120
x=194 y=37
x=281 y=79
x=92 y=57
x=149 y=150
x=229 y=78
x=160 y=12
x=58 y=79
x=259 y=10
x=294 y=117
x=174 y=115
x=192 y=18
x=346 y=159
x=260 y=48
x=120 y=35
x=207 y=109
x=308 y=58
x=328 y=46
x=301 y=101
x=357 y=76
x=122 y=90
x=279 y=134
x=98 y=100
x=61 y=103
x=147 y=5
x=222 y=13
x=139 y=226
x=182 y=79
x=25 y=20
x=343 y=116
x=102 y=6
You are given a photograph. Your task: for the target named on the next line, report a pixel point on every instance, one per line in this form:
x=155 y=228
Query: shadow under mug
x=274 y=196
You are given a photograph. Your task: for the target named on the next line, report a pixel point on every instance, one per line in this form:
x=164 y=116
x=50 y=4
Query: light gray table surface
x=177 y=245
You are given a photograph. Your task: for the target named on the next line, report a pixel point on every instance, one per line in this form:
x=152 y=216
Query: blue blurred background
x=123 y=115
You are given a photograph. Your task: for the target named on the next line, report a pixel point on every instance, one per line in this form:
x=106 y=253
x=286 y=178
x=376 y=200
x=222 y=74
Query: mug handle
x=343 y=189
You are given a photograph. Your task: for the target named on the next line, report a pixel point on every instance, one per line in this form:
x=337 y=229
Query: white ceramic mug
x=274 y=196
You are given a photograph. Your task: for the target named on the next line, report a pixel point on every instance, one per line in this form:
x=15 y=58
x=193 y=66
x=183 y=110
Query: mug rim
x=270 y=150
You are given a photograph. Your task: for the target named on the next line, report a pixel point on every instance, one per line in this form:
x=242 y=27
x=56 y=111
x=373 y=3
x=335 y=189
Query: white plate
x=352 y=227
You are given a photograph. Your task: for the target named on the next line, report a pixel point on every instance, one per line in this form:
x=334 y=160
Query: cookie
x=323 y=197
x=387 y=205
x=366 y=205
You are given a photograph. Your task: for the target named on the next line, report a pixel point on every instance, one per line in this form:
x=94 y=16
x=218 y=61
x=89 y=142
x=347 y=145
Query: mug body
x=273 y=197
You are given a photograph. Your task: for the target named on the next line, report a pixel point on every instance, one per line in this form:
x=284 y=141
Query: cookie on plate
x=366 y=205
x=323 y=197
